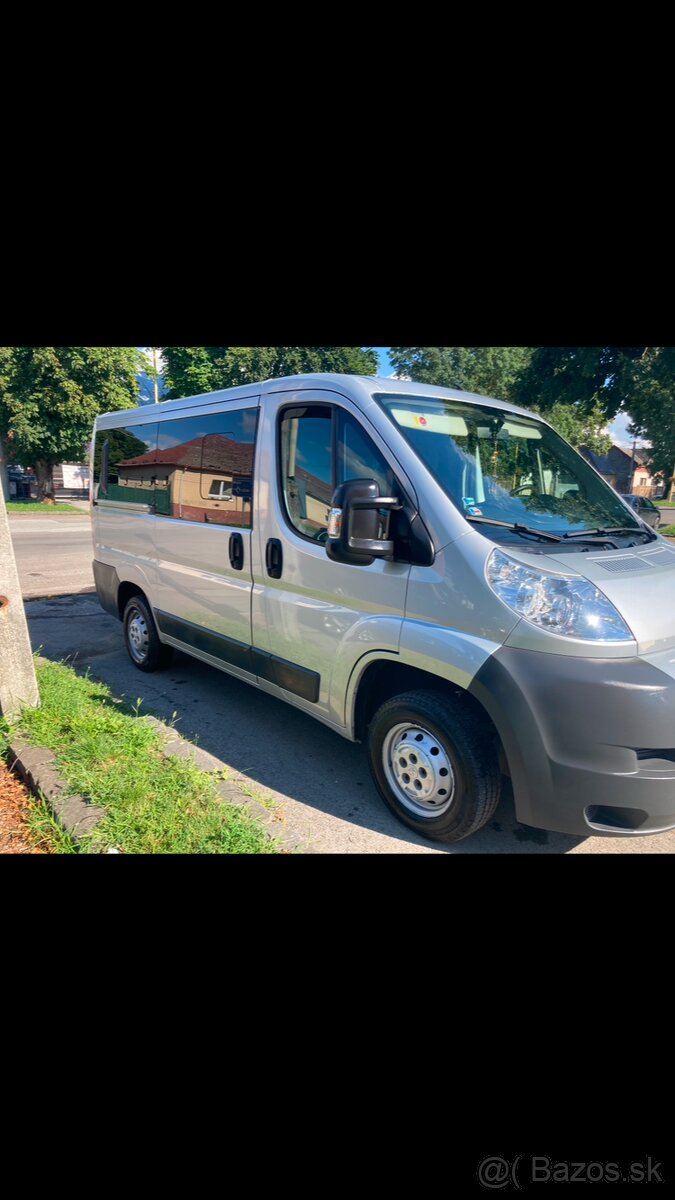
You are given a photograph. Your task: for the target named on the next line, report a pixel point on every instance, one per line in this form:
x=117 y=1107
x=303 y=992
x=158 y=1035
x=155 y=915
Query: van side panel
x=126 y=541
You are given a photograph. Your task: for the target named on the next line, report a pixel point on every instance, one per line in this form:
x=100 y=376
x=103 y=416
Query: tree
x=487 y=370
x=191 y=370
x=579 y=428
x=650 y=381
x=637 y=379
x=580 y=375
x=50 y=395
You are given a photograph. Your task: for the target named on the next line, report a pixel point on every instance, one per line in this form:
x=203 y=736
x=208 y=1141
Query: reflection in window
x=309 y=476
x=505 y=466
x=358 y=456
x=307 y=471
x=131 y=459
x=220 y=490
x=205 y=468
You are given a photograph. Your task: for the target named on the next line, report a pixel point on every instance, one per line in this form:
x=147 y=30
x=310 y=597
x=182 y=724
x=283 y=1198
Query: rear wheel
x=434 y=765
x=141 y=638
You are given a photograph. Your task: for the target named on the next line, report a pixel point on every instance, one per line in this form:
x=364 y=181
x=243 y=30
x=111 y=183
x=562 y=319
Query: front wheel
x=141 y=638
x=434 y=765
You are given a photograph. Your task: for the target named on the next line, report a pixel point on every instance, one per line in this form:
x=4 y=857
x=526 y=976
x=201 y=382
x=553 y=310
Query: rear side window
x=124 y=464
x=204 y=468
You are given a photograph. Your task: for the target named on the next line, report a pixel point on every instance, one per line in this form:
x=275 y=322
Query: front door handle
x=274 y=558
x=236 y=552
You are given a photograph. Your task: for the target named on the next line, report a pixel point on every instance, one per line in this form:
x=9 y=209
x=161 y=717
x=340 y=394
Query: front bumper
x=590 y=742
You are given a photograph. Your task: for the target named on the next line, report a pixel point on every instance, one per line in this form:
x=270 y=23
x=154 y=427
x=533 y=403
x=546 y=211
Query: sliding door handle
x=274 y=558
x=236 y=552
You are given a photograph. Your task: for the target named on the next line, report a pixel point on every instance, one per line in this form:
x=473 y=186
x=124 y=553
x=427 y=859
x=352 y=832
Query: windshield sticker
x=467 y=500
x=474 y=511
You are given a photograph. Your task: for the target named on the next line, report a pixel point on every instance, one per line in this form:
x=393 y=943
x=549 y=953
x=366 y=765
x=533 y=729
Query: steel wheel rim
x=418 y=770
x=138 y=636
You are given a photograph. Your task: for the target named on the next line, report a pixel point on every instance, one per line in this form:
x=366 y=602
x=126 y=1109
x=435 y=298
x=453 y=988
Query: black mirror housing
x=355 y=528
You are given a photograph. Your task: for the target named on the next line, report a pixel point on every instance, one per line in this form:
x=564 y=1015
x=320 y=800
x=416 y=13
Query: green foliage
x=50 y=395
x=487 y=370
x=650 y=386
x=40 y=510
x=191 y=370
x=638 y=379
x=111 y=756
x=46 y=830
x=584 y=376
x=579 y=428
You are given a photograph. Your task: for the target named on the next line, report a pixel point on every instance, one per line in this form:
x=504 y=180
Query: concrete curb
x=87 y=591
x=36 y=766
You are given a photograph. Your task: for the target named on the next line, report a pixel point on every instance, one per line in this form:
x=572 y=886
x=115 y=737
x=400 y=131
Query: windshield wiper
x=586 y=534
x=522 y=529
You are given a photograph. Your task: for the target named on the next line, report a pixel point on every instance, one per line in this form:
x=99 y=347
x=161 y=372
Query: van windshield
x=505 y=467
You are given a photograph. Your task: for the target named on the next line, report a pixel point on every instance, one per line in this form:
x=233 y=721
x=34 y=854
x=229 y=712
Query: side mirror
x=357 y=534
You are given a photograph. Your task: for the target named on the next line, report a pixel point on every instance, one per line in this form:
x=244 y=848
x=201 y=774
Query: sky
x=385 y=366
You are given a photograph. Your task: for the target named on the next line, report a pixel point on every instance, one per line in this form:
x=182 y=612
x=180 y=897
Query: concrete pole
x=18 y=685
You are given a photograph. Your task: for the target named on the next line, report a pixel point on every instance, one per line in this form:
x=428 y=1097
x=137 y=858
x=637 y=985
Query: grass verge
x=112 y=757
x=667 y=530
x=42 y=510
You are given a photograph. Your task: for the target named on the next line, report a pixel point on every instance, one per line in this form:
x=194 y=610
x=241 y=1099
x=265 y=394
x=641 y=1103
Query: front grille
x=629 y=562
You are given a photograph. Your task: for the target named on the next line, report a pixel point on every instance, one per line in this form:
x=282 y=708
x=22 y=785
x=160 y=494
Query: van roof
x=352 y=385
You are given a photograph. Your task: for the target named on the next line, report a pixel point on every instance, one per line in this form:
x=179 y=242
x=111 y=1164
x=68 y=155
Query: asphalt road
x=321 y=782
x=53 y=554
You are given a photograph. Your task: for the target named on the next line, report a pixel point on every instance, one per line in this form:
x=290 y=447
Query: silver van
x=437 y=574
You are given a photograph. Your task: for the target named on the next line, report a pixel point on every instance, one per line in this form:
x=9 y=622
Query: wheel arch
x=382 y=678
x=126 y=591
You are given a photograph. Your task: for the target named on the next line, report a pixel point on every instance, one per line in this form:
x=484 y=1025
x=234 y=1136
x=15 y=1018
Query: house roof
x=617 y=459
x=215 y=452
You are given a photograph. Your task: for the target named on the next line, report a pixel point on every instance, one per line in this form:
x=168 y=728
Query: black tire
x=141 y=638
x=465 y=749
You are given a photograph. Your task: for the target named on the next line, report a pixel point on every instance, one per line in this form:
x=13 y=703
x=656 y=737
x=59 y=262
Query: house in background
x=71 y=481
x=626 y=470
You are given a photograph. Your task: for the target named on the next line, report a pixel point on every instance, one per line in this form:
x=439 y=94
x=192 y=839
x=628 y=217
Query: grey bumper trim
x=573 y=730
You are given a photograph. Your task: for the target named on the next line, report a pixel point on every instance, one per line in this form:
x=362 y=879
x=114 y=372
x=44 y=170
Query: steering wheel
x=322 y=536
x=524 y=487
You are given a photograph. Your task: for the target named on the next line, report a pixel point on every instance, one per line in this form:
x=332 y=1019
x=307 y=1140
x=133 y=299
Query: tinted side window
x=307 y=468
x=131 y=461
x=358 y=457
x=205 y=468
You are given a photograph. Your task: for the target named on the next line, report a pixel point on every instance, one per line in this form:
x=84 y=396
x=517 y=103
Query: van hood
x=639 y=582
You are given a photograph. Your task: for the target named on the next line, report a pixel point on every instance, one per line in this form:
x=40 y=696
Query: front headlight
x=564 y=604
